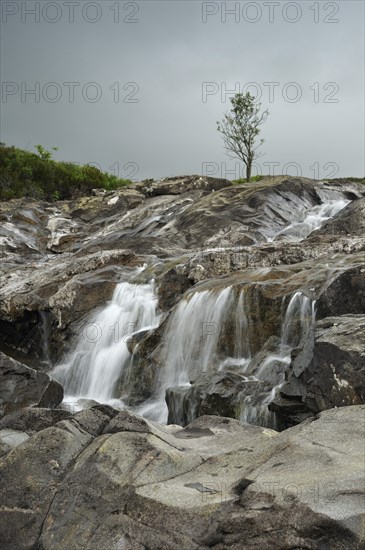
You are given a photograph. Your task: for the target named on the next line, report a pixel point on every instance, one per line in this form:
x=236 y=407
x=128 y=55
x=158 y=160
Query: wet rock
x=22 y=387
x=217 y=394
x=345 y=294
x=225 y=260
x=63 y=258
x=64 y=290
x=336 y=376
x=171 y=288
x=333 y=377
x=349 y=221
x=139 y=381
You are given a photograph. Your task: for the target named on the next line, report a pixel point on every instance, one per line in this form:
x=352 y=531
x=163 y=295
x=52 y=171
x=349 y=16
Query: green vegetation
x=245 y=180
x=27 y=174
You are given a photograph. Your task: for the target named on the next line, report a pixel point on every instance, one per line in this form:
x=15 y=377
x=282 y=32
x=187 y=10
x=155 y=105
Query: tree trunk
x=248 y=171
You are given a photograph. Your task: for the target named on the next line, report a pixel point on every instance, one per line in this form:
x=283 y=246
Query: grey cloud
x=169 y=54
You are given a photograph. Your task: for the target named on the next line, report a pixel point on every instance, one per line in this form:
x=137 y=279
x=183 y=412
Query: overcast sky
x=137 y=87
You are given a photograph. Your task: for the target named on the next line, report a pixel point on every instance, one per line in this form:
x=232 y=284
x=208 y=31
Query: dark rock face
x=209 y=395
x=22 y=387
x=172 y=286
x=334 y=376
x=346 y=294
x=109 y=478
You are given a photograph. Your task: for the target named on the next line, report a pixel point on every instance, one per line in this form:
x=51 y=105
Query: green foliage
x=43 y=153
x=24 y=173
x=244 y=180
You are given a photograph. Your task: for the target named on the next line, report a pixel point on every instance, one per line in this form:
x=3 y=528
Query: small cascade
x=312 y=219
x=93 y=369
x=194 y=343
x=209 y=332
x=270 y=373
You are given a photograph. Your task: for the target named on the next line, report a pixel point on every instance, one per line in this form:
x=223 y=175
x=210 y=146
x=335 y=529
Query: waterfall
x=296 y=327
x=209 y=332
x=93 y=369
x=191 y=346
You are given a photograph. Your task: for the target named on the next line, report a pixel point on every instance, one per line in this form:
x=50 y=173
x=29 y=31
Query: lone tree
x=240 y=128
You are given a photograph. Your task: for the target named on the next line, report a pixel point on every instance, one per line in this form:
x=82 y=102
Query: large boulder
x=334 y=376
x=21 y=386
x=33 y=419
x=30 y=477
x=217 y=394
x=112 y=479
x=345 y=294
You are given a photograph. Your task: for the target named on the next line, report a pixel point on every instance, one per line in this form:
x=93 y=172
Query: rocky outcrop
x=48 y=300
x=21 y=386
x=333 y=377
x=265 y=295
x=33 y=419
x=217 y=394
x=181 y=184
x=344 y=294
x=105 y=478
x=277 y=269
x=64 y=258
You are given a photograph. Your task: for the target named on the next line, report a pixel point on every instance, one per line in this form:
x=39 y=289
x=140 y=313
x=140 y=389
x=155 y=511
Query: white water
x=312 y=219
x=194 y=344
x=192 y=340
x=93 y=369
x=297 y=324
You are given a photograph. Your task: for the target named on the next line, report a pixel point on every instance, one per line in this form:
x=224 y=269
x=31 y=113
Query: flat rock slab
x=109 y=479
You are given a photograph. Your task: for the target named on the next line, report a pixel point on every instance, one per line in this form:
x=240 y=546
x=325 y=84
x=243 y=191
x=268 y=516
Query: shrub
x=26 y=174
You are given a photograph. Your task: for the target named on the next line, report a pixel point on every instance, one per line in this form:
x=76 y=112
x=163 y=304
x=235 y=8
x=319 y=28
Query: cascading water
x=209 y=331
x=312 y=219
x=193 y=337
x=296 y=328
x=92 y=370
x=195 y=342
